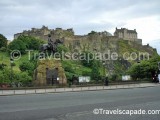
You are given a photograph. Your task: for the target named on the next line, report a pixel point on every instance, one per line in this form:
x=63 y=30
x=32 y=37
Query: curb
x=156 y=85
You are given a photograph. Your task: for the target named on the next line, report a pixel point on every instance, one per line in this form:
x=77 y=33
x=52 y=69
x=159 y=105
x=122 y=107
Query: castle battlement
x=42 y=33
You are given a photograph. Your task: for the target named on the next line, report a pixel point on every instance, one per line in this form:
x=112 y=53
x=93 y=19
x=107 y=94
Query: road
x=80 y=105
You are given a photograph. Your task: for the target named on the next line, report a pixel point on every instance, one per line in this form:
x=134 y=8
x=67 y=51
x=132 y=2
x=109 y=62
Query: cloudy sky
x=82 y=15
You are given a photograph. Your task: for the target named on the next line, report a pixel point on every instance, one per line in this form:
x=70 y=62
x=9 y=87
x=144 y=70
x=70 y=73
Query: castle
x=122 y=41
x=42 y=33
x=126 y=34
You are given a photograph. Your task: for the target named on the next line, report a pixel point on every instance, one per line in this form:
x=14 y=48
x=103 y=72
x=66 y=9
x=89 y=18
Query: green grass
x=75 y=67
x=5 y=59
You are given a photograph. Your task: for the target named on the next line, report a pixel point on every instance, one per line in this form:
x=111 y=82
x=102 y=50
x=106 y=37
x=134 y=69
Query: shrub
x=22 y=43
x=3 y=49
x=27 y=66
x=5 y=76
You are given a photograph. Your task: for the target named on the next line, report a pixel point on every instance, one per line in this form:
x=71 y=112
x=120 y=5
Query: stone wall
x=93 y=42
x=40 y=72
x=60 y=33
x=43 y=32
x=126 y=34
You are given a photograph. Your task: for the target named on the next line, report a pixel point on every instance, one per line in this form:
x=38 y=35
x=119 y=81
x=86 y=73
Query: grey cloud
x=17 y=15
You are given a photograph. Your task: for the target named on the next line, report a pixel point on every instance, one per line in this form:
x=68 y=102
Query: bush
x=27 y=66
x=87 y=60
x=69 y=75
x=2 y=66
x=5 y=76
x=113 y=77
x=95 y=73
x=22 y=43
x=146 y=79
x=13 y=64
x=86 y=73
x=18 y=45
x=22 y=77
x=69 y=69
x=61 y=48
x=3 y=49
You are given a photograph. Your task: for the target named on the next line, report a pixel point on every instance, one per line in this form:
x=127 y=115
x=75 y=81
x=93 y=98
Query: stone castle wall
x=126 y=34
x=94 y=41
x=69 y=36
x=43 y=32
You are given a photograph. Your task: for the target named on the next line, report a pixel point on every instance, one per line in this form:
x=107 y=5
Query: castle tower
x=126 y=34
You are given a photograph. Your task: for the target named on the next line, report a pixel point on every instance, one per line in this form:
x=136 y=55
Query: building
x=42 y=33
x=126 y=34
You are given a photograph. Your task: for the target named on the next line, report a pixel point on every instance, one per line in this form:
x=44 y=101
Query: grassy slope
x=75 y=66
x=5 y=59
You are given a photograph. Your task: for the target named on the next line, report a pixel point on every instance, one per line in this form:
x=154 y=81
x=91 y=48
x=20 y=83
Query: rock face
x=40 y=78
x=93 y=42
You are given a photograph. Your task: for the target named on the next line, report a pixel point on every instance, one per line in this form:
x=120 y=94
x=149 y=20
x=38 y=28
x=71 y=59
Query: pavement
x=75 y=89
x=82 y=105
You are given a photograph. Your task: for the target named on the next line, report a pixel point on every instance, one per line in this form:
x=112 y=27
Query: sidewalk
x=75 y=89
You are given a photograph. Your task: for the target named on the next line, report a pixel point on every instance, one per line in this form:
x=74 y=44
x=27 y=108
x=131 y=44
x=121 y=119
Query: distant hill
x=155 y=44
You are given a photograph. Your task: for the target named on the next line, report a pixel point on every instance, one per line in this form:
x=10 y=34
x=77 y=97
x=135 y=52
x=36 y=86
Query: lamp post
x=104 y=69
x=139 y=67
x=104 y=72
x=11 y=63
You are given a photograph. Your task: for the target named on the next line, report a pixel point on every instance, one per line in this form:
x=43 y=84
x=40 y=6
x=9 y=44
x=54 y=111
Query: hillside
x=96 y=54
x=75 y=67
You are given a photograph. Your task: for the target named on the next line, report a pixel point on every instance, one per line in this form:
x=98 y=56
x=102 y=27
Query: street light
x=105 y=79
x=104 y=72
x=139 y=67
x=159 y=65
x=11 y=63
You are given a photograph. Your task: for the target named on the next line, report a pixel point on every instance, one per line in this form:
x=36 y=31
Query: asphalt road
x=80 y=105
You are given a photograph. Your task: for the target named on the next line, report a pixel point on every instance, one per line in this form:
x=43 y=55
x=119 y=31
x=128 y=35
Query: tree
x=144 y=69
x=92 y=33
x=22 y=43
x=18 y=45
x=95 y=74
x=3 y=41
